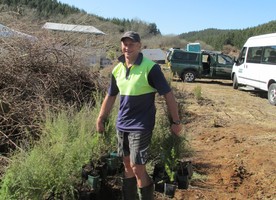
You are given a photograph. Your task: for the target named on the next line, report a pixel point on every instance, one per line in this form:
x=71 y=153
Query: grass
x=198 y=177
x=69 y=140
x=198 y=92
x=53 y=165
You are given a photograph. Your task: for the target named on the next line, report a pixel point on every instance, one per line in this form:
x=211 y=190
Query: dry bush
x=231 y=51
x=164 y=42
x=36 y=75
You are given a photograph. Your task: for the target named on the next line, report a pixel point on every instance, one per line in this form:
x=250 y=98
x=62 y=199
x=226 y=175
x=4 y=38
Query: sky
x=182 y=16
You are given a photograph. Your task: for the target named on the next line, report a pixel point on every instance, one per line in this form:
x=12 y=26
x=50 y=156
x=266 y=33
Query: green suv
x=189 y=65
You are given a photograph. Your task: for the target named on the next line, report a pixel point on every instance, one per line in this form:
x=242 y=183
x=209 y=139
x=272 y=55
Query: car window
x=241 y=57
x=185 y=56
x=269 y=55
x=169 y=55
x=228 y=59
x=204 y=58
x=223 y=59
x=254 y=54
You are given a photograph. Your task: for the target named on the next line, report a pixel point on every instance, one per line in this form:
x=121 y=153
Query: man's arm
x=176 y=125
x=106 y=108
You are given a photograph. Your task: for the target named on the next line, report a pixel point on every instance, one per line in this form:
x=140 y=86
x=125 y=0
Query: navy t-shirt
x=137 y=113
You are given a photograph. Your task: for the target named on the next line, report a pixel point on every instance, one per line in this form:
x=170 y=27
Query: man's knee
x=138 y=170
x=127 y=165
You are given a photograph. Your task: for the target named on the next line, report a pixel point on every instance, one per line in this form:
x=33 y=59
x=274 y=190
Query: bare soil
x=233 y=135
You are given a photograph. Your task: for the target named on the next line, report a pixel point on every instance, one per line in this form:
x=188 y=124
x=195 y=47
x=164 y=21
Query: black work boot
x=129 y=188
x=146 y=193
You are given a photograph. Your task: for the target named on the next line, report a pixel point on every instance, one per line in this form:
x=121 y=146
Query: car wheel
x=188 y=76
x=272 y=94
x=235 y=82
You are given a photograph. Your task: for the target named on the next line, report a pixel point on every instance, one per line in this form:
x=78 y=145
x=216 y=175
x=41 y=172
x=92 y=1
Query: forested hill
x=49 y=9
x=59 y=12
x=44 y=8
x=218 y=37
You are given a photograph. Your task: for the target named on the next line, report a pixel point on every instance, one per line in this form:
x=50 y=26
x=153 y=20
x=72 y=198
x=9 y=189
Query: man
x=136 y=79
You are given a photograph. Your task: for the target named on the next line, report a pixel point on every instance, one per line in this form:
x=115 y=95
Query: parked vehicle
x=256 y=65
x=189 y=65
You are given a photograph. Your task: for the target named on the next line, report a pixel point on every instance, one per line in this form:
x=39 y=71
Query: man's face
x=130 y=49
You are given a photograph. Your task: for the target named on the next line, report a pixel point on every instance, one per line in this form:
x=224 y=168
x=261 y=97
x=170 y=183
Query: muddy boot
x=146 y=193
x=129 y=188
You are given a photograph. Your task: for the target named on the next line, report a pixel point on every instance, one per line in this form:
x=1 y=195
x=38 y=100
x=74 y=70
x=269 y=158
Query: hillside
x=31 y=15
x=218 y=37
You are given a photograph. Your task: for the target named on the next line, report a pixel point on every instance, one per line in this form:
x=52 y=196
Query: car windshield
x=223 y=59
x=228 y=58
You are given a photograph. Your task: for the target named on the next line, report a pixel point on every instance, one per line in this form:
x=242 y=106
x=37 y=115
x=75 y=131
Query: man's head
x=131 y=35
x=131 y=45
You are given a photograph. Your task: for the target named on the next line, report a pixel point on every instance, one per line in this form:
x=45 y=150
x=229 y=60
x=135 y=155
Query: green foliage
x=44 y=8
x=163 y=141
x=197 y=92
x=170 y=165
x=217 y=38
x=69 y=140
x=53 y=166
x=111 y=54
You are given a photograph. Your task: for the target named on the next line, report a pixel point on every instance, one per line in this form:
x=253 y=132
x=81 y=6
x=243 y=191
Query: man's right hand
x=176 y=129
x=100 y=125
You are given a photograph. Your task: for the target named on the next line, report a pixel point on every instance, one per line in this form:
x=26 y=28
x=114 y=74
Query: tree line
x=44 y=8
x=217 y=37
x=47 y=8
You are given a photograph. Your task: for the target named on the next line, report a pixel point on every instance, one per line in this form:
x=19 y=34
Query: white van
x=256 y=65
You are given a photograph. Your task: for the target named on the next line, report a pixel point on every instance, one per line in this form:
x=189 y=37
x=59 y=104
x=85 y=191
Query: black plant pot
x=85 y=195
x=185 y=168
x=182 y=181
x=86 y=170
x=169 y=189
x=102 y=168
x=159 y=177
x=159 y=185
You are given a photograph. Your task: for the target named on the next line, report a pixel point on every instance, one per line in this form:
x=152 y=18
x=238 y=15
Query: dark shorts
x=135 y=145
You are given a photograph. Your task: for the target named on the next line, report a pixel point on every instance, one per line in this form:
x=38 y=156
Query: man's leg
x=138 y=145
x=129 y=187
x=144 y=182
x=129 y=183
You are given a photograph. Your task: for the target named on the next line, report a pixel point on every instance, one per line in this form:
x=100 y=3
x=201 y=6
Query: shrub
x=39 y=75
x=52 y=167
x=197 y=92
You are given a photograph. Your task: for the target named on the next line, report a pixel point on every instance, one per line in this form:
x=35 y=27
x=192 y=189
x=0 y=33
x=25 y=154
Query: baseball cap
x=132 y=35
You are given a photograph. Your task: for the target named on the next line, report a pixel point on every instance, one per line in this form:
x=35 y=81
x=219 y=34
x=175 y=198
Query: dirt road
x=233 y=134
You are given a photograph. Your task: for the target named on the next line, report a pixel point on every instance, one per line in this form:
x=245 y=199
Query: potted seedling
x=171 y=169
x=112 y=163
x=159 y=176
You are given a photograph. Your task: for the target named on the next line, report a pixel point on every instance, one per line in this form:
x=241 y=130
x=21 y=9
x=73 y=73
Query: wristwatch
x=177 y=122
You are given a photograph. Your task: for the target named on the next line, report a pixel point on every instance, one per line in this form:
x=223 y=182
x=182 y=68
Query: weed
x=197 y=92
